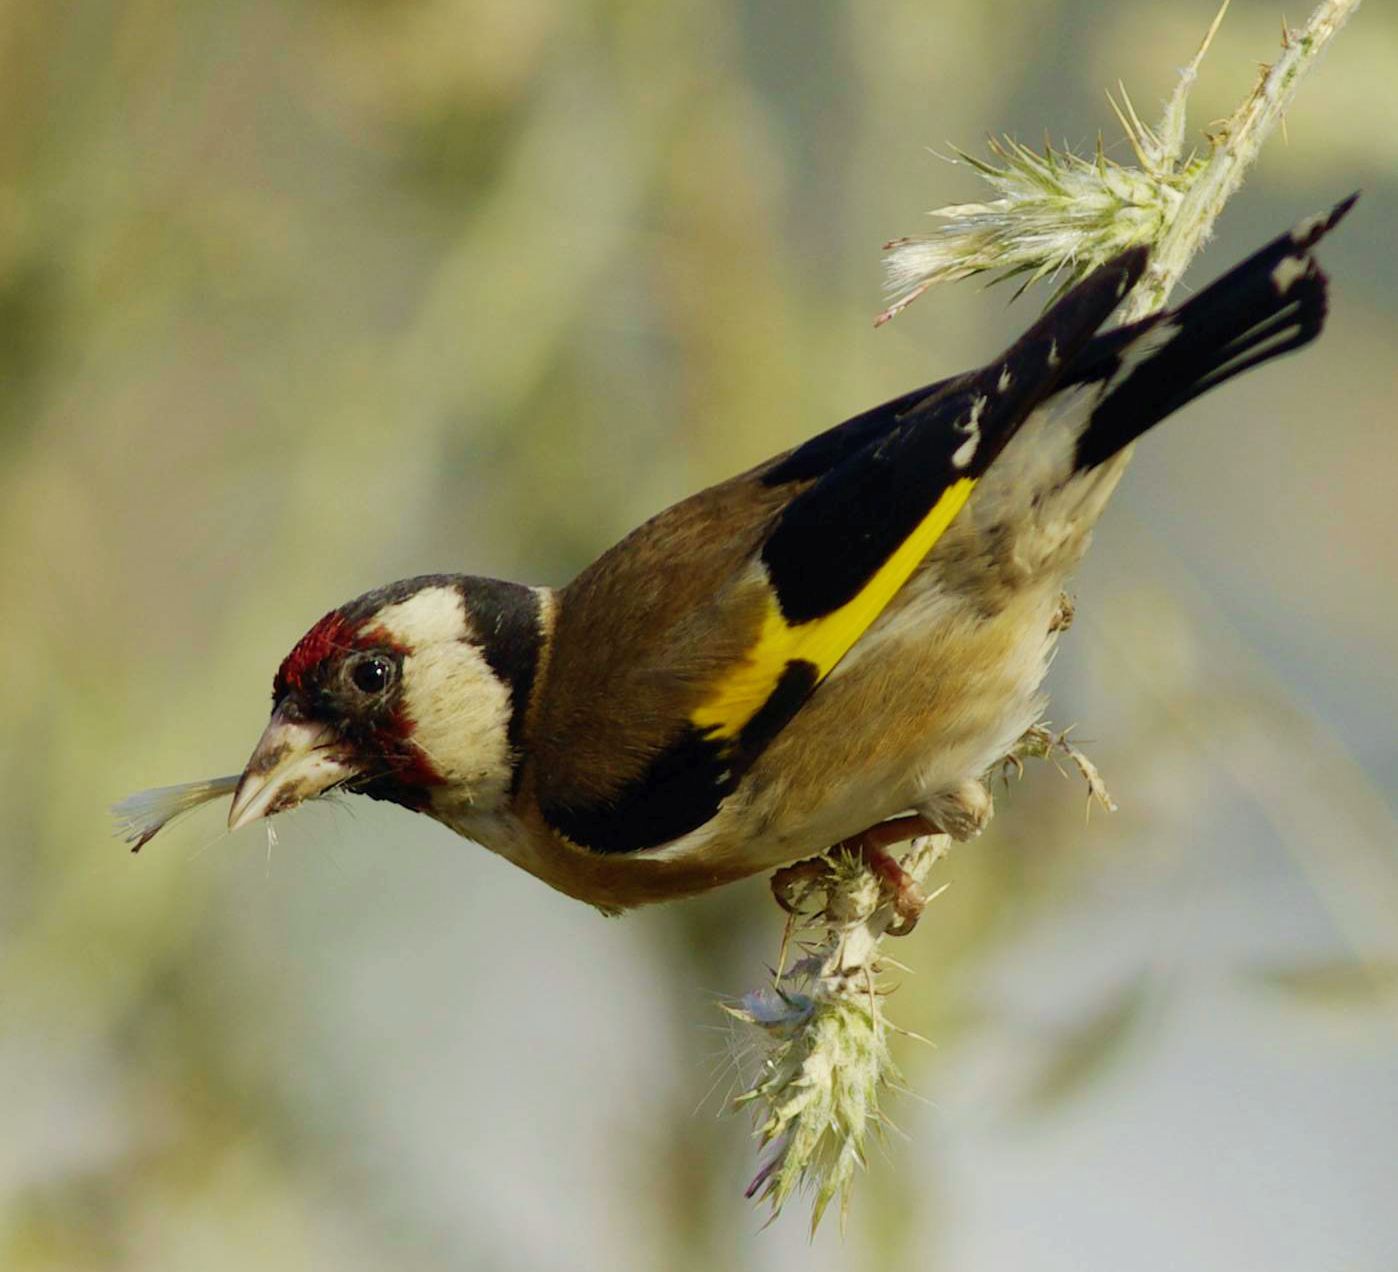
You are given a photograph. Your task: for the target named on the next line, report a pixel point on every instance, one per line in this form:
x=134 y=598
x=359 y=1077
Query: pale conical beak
x=293 y=761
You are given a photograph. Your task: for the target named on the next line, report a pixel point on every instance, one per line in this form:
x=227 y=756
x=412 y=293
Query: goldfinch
x=833 y=647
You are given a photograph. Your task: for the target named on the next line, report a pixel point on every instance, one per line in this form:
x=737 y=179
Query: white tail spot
x=1142 y=349
x=1307 y=228
x=1288 y=270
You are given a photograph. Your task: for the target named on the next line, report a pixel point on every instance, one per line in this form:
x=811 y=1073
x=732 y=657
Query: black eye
x=372 y=674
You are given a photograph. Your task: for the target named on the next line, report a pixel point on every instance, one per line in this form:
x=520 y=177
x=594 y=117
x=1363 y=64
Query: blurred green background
x=297 y=298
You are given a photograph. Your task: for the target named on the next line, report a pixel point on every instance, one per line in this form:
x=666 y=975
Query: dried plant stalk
x=1059 y=215
x=820 y=1036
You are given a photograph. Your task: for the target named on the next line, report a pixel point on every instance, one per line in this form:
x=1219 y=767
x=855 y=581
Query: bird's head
x=413 y=693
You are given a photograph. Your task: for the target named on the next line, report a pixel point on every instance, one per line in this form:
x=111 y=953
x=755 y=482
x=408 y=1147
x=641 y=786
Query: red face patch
x=379 y=733
x=334 y=634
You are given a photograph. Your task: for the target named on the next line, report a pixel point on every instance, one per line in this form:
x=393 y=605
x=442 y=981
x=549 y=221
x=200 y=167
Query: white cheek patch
x=459 y=708
x=460 y=712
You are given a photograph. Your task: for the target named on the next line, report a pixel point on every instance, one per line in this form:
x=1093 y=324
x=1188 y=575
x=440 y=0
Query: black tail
x=1270 y=304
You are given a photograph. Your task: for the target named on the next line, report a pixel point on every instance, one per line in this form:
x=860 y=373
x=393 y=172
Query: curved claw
x=909 y=900
x=792 y=884
x=786 y=880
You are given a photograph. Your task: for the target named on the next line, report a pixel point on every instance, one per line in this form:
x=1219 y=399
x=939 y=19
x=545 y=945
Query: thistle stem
x=1235 y=149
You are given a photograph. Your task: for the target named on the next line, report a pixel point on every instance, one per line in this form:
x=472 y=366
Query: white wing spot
x=966 y=452
x=1288 y=270
x=1053 y=353
x=1005 y=380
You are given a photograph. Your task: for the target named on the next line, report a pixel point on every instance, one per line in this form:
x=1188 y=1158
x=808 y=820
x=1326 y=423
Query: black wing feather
x=832 y=538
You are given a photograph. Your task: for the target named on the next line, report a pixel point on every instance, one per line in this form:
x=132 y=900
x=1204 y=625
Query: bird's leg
x=872 y=846
x=791 y=883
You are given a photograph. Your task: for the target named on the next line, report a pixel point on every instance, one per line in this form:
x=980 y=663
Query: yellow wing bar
x=824 y=640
